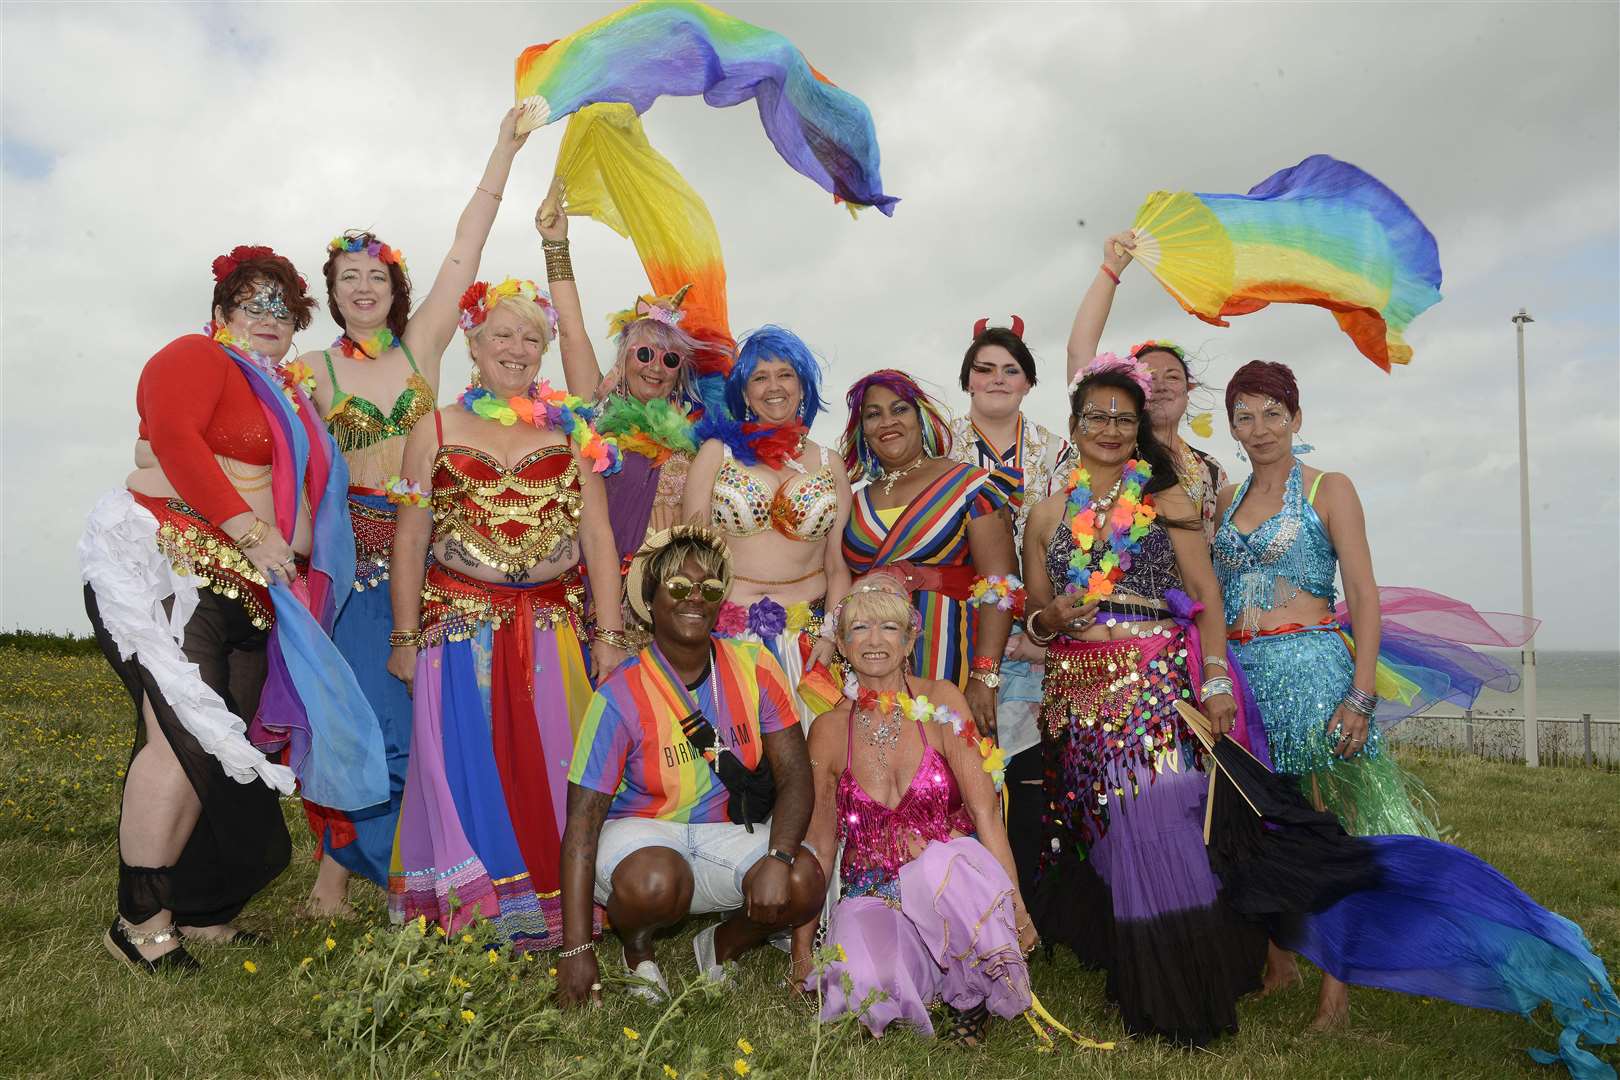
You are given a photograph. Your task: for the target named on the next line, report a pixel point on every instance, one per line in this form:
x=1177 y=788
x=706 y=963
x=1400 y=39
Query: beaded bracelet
x=576 y=950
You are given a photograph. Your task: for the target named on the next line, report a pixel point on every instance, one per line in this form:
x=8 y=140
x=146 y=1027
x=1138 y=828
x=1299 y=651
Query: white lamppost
x=1532 y=752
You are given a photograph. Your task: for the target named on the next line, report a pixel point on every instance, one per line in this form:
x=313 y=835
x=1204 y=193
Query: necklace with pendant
x=894 y=477
x=882 y=732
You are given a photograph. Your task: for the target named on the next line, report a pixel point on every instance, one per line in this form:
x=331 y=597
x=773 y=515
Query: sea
x=1568 y=684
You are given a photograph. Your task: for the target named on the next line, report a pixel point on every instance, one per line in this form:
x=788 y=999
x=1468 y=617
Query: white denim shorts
x=719 y=853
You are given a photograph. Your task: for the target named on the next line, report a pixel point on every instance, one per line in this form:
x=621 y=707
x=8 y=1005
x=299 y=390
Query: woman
x=1283 y=534
x=914 y=811
x=1199 y=474
x=998 y=372
x=647 y=401
x=385 y=354
x=778 y=500
x=235 y=495
x=936 y=520
x=491 y=634
x=1116 y=571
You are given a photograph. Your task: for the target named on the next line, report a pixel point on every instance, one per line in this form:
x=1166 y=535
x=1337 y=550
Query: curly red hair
x=237 y=270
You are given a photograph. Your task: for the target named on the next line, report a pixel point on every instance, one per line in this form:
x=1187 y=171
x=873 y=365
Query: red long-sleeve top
x=194 y=403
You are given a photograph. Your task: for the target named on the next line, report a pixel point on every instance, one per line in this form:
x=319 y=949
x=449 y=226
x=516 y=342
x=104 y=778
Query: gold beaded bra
x=507 y=519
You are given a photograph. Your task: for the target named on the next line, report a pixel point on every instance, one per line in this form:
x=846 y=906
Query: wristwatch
x=992 y=679
x=784 y=857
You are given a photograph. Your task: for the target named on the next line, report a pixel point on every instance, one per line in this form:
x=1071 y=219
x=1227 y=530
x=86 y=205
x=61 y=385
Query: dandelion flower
x=745 y=1046
x=466 y=939
x=250 y=967
x=631 y=1034
x=843 y=957
x=331 y=943
x=671 y=1073
x=741 y=1066
x=493 y=957
x=305 y=962
x=468 y=1015
x=421 y=923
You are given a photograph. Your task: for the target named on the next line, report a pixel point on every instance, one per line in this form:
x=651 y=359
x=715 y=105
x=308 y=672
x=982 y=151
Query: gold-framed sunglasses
x=680 y=587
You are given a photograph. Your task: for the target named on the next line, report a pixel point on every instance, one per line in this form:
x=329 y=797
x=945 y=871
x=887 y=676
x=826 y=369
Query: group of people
x=617 y=653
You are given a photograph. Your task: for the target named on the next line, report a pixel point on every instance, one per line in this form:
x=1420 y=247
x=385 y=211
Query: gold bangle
x=547 y=244
x=615 y=638
x=254 y=536
x=399 y=638
x=492 y=194
x=558 y=265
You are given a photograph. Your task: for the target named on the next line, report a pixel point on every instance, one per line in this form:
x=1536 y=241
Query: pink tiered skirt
x=954 y=938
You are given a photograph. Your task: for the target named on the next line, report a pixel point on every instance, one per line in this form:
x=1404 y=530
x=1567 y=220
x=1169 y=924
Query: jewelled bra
x=804 y=508
x=357 y=423
x=509 y=519
x=1290 y=546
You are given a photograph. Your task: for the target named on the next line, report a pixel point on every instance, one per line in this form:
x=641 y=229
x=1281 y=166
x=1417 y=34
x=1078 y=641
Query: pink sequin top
x=878 y=840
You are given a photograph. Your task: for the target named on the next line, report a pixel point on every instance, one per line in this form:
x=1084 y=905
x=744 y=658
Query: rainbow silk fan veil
x=1323 y=232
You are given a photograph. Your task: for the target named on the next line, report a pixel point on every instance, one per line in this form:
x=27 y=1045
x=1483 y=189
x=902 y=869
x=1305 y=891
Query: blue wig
x=775 y=343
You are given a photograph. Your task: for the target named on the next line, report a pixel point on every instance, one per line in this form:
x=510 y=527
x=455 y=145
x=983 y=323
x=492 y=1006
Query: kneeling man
x=660 y=823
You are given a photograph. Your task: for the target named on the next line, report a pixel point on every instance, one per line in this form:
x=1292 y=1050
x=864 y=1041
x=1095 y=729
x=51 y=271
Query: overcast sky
x=140 y=141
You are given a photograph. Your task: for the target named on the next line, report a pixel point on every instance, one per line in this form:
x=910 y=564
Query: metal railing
x=1560 y=740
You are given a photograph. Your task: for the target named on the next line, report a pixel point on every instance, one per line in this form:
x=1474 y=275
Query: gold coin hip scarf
x=200 y=550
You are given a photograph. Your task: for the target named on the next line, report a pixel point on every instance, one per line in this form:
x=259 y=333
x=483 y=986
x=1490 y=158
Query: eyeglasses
x=645 y=354
x=680 y=587
x=278 y=312
x=1100 y=421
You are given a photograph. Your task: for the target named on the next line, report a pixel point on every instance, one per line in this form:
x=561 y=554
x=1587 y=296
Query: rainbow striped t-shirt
x=630 y=744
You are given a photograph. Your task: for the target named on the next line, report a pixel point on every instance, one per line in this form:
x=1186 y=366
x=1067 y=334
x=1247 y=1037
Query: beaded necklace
x=549 y=410
x=368 y=348
x=1119 y=521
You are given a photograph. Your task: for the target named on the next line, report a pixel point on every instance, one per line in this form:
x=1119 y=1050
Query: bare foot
x=1332 y=1006
x=329 y=896
x=1282 y=973
x=222 y=932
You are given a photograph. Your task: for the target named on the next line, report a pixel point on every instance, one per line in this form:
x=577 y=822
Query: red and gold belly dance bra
x=509 y=519
x=804 y=508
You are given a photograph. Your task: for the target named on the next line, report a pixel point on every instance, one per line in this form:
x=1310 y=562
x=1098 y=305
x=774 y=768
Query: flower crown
x=479 y=300
x=375 y=248
x=1152 y=343
x=1128 y=366
x=226 y=265
x=664 y=309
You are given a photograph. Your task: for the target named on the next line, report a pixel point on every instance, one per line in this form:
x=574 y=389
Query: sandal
x=967 y=1025
x=123 y=943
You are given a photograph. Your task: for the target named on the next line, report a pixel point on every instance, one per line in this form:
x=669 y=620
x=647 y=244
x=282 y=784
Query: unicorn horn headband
x=1017 y=327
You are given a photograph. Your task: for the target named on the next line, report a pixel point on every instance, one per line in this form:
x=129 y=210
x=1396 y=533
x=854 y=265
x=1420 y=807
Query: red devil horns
x=1017 y=327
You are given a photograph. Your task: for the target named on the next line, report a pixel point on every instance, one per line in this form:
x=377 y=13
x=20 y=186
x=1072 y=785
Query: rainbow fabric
x=1323 y=232
x=630 y=744
x=659 y=47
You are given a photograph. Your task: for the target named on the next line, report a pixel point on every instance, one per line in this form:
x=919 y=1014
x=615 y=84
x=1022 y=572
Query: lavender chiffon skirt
x=953 y=939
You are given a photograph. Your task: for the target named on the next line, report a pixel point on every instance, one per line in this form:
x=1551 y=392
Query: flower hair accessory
x=482 y=298
x=375 y=248
x=1154 y=343
x=225 y=265
x=1128 y=366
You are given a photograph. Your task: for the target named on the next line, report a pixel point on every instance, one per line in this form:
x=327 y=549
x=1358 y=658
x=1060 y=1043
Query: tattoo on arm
x=587 y=810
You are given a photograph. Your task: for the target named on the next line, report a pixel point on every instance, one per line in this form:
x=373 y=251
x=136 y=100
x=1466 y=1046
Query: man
x=649 y=831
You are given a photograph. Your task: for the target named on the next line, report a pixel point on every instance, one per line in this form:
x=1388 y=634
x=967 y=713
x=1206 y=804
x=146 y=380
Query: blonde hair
x=712 y=558
x=874 y=603
x=531 y=314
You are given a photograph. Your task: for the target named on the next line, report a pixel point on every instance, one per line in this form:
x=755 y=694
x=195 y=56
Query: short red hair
x=1263 y=377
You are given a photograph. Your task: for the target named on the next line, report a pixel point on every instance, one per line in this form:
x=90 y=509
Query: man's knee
x=653 y=885
x=807 y=888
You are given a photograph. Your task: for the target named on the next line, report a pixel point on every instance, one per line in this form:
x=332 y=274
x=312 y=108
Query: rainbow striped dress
x=929 y=536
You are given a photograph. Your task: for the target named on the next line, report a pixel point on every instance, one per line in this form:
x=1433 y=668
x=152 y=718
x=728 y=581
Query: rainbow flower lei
x=296 y=377
x=920 y=709
x=1101 y=557
x=1006 y=592
x=366 y=348
x=550 y=410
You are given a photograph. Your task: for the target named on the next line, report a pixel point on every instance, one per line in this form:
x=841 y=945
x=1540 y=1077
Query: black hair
x=1148 y=446
x=1000 y=335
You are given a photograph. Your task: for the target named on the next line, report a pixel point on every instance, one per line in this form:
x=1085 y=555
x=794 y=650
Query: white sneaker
x=652 y=989
x=782 y=941
x=703 y=949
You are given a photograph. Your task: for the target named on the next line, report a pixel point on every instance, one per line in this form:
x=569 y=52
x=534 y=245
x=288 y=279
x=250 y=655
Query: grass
x=70 y=1011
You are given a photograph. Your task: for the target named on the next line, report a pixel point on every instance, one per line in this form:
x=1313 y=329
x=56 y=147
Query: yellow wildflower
x=421 y=923
x=439 y=930
x=671 y=1073
x=631 y=1033
x=741 y=1066
x=250 y=967
x=745 y=1046
x=468 y=1015
x=493 y=957
x=843 y=957
x=331 y=943
x=466 y=939
x=305 y=962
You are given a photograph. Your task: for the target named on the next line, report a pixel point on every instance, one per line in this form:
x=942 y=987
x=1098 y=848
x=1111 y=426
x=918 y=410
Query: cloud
x=1002 y=127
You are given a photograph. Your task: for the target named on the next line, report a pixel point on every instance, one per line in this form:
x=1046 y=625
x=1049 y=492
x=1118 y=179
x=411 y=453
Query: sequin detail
x=455 y=607
x=1291 y=546
x=1152 y=572
x=803 y=508
x=509 y=519
x=357 y=423
x=197 y=548
x=1110 y=704
x=373 y=540
x=878 y=840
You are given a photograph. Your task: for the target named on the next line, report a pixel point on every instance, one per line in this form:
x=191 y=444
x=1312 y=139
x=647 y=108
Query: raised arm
x=581 y=372
x=433 y=324
x=1098 y=301
x=407 y=565
x=1339 y=507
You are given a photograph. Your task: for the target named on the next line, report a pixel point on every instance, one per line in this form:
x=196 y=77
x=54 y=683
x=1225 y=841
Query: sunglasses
x=645 y=354
x=680 y=587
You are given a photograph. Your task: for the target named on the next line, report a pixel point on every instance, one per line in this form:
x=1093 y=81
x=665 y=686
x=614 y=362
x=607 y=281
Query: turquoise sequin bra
x=1291 y=546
